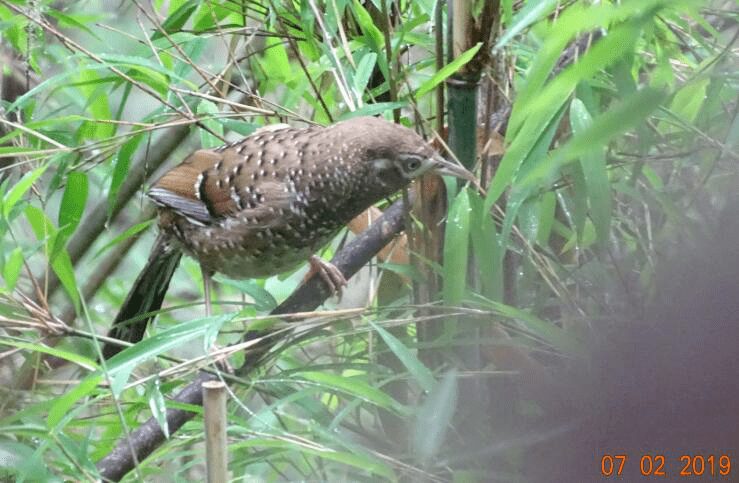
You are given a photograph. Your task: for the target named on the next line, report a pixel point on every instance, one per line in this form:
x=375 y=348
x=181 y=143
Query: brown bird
x=265 y=204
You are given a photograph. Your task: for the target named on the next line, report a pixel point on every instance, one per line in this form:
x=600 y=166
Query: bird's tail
x=145 y=296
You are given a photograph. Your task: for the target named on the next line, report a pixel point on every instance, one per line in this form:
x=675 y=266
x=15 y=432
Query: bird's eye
x=412 y=164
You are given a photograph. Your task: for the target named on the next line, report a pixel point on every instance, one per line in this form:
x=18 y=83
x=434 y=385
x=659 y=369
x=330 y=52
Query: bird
x=265 y=204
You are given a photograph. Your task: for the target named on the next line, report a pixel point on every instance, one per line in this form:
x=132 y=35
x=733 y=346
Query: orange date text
x=666 y=465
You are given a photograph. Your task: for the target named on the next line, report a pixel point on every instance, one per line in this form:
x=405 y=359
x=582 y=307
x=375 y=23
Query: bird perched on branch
x=267 y=203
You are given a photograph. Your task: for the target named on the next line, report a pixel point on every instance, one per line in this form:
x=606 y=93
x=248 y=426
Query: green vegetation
x=620 y=122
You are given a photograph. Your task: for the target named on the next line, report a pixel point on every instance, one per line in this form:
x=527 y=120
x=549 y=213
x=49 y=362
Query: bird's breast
x=244 y=248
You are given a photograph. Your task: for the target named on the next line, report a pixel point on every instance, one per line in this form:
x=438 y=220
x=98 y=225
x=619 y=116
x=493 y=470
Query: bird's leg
x=207 y=285
x=328 y=272
x=222 y=361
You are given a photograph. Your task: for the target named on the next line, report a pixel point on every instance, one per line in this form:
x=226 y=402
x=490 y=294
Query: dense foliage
x=606 y=135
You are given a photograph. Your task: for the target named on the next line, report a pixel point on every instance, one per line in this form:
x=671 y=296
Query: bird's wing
x=228 y=183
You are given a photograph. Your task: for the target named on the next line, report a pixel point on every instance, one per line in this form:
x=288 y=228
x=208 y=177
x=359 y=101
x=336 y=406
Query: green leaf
x=206 y=111
x=52 y=351
x=354 y=458
x=456 y=249
x=77 y=21
x=507 y=8
x=148 y=72
x=126 y=234
x=364 y=72
x=689 y=100
x=22 y=461
x=263 y=300
x=61 y=263
x=547 y=212
x=487 y=249
x=418 y=370
x=606 y=51
x=157 y=405
x=73 y=202
x=373 y=34
x=449 y=69
x=177 y=20
x=434 y=417
x=122 y=364
x=12 y=268
x=404 y=270
x=595 y=173
x=625 y=22
x=618 y=119
x=209 y=14
x=574 y=204
x=91 y=86
x=373 y=109
x=531 y=12
x=528 y=219
x=62 y=404
x=584 y=239
x=275 y=61
x=238 y=126
x=355 y=387
x=546 y=331
x=213 y=326
x=20 y=189
x=528 y=149
x=121 y=163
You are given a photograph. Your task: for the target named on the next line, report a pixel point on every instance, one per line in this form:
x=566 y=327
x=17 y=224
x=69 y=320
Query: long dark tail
x=145 y=296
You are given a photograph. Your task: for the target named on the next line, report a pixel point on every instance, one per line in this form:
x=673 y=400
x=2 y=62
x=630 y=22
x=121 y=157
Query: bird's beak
x=444 y=167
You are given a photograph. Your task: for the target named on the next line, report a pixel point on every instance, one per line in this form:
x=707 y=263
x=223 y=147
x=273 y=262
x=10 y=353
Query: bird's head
x=394 y=154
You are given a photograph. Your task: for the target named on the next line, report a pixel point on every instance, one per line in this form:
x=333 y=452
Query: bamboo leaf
x=73 y=202
x=456 y=249
x=351 y=386
x=595 y=173
x=126 y=234
x=417 y=369
x=121 y=163
x=60 y=263
x=364 y=72
x=530 y=13
x=434 y=417
x=12 y=268
x=157 y=405
x=449 y=69
x=20 y=189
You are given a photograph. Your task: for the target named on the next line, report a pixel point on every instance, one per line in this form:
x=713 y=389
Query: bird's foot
x=329 y=273
x=219 y=356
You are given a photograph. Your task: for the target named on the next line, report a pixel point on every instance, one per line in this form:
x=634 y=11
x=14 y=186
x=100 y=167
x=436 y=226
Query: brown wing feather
x=212 y=184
